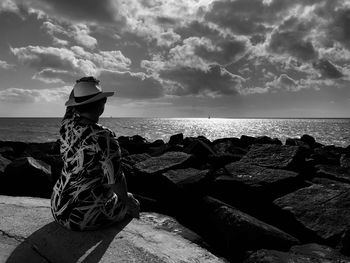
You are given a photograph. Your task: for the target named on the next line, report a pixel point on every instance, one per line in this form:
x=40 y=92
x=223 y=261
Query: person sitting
x=91 y=191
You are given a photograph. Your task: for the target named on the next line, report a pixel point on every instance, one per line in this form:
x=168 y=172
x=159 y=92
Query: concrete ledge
x=29 y=234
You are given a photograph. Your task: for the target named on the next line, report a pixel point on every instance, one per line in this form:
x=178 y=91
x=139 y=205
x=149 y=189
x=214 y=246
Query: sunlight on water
x=327 y=131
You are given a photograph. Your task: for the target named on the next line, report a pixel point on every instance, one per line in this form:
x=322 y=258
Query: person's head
x=87 y=96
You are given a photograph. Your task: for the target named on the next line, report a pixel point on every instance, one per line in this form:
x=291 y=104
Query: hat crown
x=86 y=88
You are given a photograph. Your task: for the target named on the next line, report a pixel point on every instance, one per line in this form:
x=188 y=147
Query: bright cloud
x=17 y=95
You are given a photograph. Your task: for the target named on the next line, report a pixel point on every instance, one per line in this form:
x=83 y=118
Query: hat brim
x=72 y=102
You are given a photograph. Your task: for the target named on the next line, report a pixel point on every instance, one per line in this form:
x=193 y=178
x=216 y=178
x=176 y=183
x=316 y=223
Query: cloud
x=75 y=60
x=78 y=32
x=54 y=76
x=291 y=38
x=88 y=11
x=16 y=95
x=284 y=82
x=131 y=85
x=5 y=65
x=214 y=82
x=253 y=17
x=327 y=69
x=8 y=6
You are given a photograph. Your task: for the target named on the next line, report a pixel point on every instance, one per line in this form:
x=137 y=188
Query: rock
x=345 y=161
x=39 y=150
x=309 y=253
x=267 y=140
x=3 y=163
x=326 y=155
x=190 y=179
x=200 y=149
x=309 y=140
x=30 y=235
x=157 y=143
x=220 y=160
x=7 y=152
x=176 y=139
x=275 y=156
x=247 y=140
x=297 y=142
x=236 y=232
x=128 y=163
x=333 y=172
x=188 y=140
x=320 y=209
x=135 y=158
x=27 y=176
x=225 y=145
x=247 y=181
x=134 y=144
x=167 y=161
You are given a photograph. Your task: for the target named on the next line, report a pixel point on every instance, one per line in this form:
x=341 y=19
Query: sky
x=178 y=58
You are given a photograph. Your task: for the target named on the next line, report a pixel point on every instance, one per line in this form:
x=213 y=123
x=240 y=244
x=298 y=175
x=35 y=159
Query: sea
x=326 y=131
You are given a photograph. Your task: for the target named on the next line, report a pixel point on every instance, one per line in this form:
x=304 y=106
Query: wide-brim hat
x=85 y=92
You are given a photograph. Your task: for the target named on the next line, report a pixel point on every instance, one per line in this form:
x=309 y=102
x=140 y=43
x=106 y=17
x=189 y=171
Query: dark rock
x=138 y=139
x=297 y=142
x=225 y=145
x=3 y=163
x=127 y=164
x=135 y=158
x=326 y=155
x=188 y=140
x=321 y=209
x=345 y=161
x=148 y=204
x=176 y=139
x=190 y=179
x=333 y=172
x=28 y=177
x=329 y=182
x=247 y=140
x=275 y=156
x=18 y=147
x=7 y=152
x=200 y=149
x=236 y=232
x=243 y=181
x=157 y=143
x=309 y=253
x=309 y=140
x=220 y=160
x=167 y=161
x=38 y=150
x=134 y=144
x=267 y=140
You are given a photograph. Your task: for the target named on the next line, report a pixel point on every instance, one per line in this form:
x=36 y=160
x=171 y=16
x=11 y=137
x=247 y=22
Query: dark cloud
x=292 y=38
x=131 y=85
x=212 y=83
x=247 y=17
x=105 y=11
x=163 y=20
x=55 y=76
x=327 y=69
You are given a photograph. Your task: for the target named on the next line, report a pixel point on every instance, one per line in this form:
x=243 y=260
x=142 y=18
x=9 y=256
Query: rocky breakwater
x=251 y=199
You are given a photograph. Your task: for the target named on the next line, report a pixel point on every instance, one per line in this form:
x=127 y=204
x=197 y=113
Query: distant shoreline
x=243 y=118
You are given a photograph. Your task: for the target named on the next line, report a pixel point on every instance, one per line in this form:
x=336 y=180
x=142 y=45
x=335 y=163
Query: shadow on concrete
x=53 y=243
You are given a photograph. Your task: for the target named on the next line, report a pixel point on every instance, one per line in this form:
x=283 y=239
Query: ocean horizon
x=329 y=131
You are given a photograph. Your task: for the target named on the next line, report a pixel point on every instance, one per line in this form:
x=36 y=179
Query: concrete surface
x=29 y=234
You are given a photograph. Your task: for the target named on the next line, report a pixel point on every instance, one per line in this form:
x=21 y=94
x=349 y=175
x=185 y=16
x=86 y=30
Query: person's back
x=91 y=191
